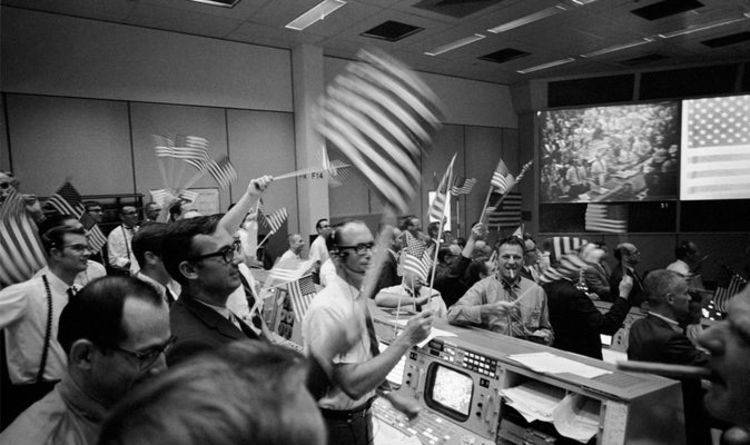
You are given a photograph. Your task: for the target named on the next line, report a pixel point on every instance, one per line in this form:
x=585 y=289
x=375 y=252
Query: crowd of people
x=621 y=153
x=168 y=343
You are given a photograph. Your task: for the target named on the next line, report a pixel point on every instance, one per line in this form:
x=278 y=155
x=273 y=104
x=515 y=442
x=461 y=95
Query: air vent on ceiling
x=455 y=8
x=504 y=55
x=730 y=39
x=222 y=3
x=392 y=31
x=666 y=8
x=643 y=60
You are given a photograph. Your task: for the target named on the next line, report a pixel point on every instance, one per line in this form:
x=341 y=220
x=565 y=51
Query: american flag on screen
x=716 y=148
x=611 y=218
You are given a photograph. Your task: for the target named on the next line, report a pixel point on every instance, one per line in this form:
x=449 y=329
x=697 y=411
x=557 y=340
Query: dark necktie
x=237 y=321
x=71 y=292
x=255 y=318
x=170 y=296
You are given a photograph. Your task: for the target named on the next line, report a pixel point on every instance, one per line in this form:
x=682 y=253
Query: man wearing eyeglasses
x=339 y=335
x=115 y=333
x=203 y=255
x=119 y=248
x=29 y=313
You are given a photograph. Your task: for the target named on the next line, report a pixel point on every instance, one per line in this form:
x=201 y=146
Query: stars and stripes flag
x=506 y=214
x=222 y=171
x=502 y=179
x=191 y=149
x=161 y=196
x=189 y=195
x=437 y=206
x=301 y=293
x=722 y=295
x=611 y=218
x=562 y=245
x=275 y=220
x=715 y=148
x=417 y=257
x=22 y=250
x=67 y=201
x=462 y=186
x=381 y=116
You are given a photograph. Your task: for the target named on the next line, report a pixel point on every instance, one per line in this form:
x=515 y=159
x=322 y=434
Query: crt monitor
x=449 y=391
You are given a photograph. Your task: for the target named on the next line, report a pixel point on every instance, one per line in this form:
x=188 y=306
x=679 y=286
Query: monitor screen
x=614 y=153
x=450 y=391
x=716 y=148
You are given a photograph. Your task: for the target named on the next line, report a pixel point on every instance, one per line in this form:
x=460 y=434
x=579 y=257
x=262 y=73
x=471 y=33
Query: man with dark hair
x=452 y=264
x=121 y=258
x=93 y=269
x=339 y=336
x=114 y=332
x=318 y=250
x=659 y=337
x=203 y=256
x=152 y=211
x=506 y=302
x=687 y=260
x=628 y=256
x=29 y=313
x=244 y=393
x=94 y=208
x=148 y=250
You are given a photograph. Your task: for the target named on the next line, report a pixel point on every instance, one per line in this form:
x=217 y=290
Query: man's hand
x=417 y=329
x=498 y=309
x=408 y=406
x=626 y=285
x=478 y=231
x=259 y=185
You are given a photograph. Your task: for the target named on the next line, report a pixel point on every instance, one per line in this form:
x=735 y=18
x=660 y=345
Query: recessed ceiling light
x=615 y=48
x=702 y=27
x=544 y=66
x=222 y=3
x=525 y=20
x=453 y=45
x=314 y=14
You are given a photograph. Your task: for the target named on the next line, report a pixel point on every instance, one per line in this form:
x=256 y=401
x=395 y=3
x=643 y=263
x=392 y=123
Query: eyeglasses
x=148 y=357
x=361 y=248
x=78 y=247
x=227 y=253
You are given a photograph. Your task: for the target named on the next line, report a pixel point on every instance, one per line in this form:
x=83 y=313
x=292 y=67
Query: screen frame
x=432 y=370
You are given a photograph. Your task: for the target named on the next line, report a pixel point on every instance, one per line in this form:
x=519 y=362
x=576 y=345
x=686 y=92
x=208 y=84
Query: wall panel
x=483 y=149
x=4 y=148
x=85 y=140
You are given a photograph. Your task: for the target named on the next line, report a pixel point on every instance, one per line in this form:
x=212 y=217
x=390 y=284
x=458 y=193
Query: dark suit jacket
x=652 y=339
x=449 y=280
x=388 y=275
x=577 y=323
x=199 y=328
x=597 y=281
x=637 y=294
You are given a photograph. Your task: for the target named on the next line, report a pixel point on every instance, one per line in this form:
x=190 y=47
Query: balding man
x=628 y=256
x=659 y=337
x=292 y=255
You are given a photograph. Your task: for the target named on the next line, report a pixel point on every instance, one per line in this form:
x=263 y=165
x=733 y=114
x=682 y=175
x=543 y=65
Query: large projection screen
x=715 y=148
x=612 y=153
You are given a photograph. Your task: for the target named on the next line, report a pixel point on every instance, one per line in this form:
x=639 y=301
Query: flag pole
x=195 y=179
x=486 y=202
x=440 y=226
x=264 y=240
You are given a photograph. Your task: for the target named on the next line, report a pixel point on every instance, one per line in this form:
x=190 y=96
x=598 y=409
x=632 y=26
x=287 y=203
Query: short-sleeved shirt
x=338 y=312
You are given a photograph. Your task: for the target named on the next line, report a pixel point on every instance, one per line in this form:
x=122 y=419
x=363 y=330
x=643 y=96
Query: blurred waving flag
x=502 y=179
x=611 y=218
x=462 y=186
x=437 y=206
x=275 y=220
x=301 y=293
x=380 y=115
x=67 y=201
x=22 y=250
x=222 y=171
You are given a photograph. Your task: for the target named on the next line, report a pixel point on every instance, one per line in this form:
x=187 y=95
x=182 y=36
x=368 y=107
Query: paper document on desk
x=434 y=332
x=534 y=400
x=577 y=417
x=547 y=363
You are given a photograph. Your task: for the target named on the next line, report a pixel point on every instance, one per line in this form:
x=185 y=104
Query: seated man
x=291 y=257
x=412 y=294
x=506 y=302
x=452 y=264
x=687 y=259
x=245 y=393
x=115 y=332
x=595 y=274
x=659 y=337
x=628 y=256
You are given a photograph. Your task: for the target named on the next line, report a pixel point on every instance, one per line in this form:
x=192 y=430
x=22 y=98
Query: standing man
x=29 y=313
x=292 y=255
x=148 y=248
x=339 y=336
x=203 y=256
x=121 y=258
x=114 y=333
x=628 y=257
x=318 y=250
x=659 y=337
x=94 y=208
x=450 y=270
x=152 y=211
x=506 y=302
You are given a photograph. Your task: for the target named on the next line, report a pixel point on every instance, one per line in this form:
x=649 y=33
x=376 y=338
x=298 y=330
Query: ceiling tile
x=182 y=20
x=243 y=10
x=95 y=9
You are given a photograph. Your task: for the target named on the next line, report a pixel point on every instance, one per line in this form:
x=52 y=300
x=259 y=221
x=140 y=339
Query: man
x=412 y=293
x=595 y=275
x=245 y=393
x=121 y=258
x=93 y=269
x=203 y=256
x=148 y=249
x=576 y=321
x=292 y=257
x=94 y=208
x=114 y=332
x=340 y=338
x=728 y=343
x=29 y=313
x=389 y=273
x=687 y=259
x=152 y=212
x=530 y=268
x=452 y=265
x=628 y=256
x=318 y=250
x=506 y=302
x=659 y=337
